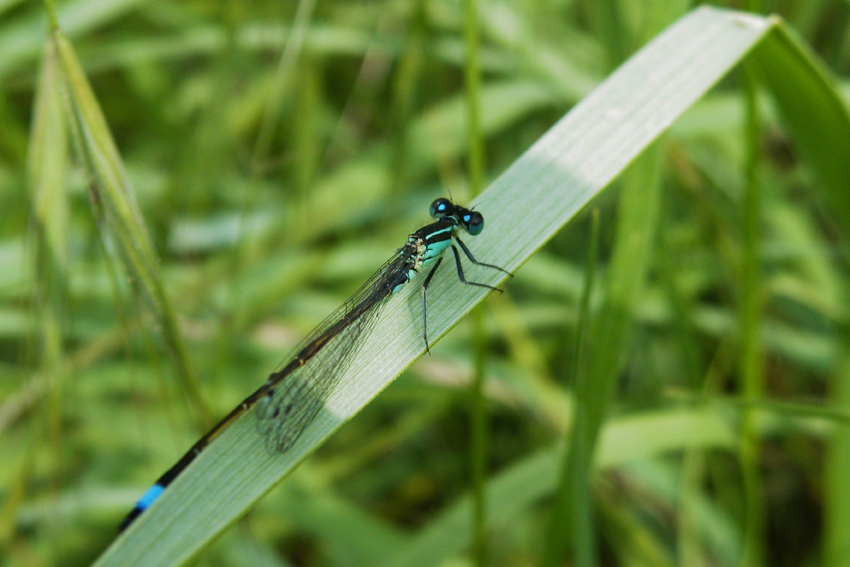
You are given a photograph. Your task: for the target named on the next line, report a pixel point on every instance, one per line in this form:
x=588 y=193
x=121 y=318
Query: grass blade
x=523 y=484
x=115 y=206
x=546 y=187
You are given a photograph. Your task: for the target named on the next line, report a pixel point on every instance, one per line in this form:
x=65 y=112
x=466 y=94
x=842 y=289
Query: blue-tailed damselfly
x=292 y=397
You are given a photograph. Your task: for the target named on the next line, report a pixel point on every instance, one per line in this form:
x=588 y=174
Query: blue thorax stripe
x=442 y=234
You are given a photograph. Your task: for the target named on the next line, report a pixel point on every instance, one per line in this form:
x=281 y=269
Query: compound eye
x=440 y=207
x=473 y=222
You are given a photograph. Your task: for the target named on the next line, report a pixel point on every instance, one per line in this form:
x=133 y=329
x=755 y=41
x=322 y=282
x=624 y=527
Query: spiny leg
x=425 y=303
x=463 y=279
x=476 y=262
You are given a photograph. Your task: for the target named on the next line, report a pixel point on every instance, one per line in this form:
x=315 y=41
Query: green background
x=279 y=152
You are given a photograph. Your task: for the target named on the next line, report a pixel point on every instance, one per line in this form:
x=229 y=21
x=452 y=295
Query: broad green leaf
x=546 y=187
x=531 y=201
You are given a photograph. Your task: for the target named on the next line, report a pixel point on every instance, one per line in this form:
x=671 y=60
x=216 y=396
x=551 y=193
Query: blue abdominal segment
x=148 y=497
x=143 y=504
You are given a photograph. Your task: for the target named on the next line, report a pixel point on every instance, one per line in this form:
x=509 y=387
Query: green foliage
x=268 y=156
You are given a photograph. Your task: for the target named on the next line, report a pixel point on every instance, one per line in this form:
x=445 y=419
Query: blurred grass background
x=280 y=152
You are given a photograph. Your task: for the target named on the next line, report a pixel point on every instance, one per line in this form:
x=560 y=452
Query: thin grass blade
x=531 y=201
x=118 y=213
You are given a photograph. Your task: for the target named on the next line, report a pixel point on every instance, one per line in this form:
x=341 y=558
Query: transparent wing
x=293 y=396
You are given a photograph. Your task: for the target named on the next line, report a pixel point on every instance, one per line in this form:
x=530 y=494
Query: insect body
x=292 y=396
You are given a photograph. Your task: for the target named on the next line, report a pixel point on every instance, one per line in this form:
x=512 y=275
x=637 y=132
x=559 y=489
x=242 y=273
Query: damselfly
x=292 y=397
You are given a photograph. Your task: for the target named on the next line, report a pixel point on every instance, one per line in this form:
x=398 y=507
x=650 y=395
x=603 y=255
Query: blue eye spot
x=473 y=222
x=440 y=207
